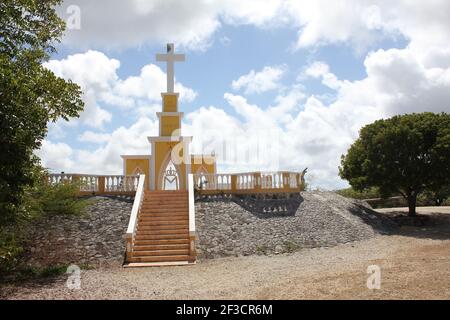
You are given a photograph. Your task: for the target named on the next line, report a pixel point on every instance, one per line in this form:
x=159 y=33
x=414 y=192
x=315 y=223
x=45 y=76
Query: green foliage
x=406 y=154
x=261 y=249
x=30 y=95
x=61 y=199
x=10 y=249
x=29 y=272
x=33 y=272
x=43 y=198
x=437 y=196
x=370 y=193
x=39 y=199
x=290 y=246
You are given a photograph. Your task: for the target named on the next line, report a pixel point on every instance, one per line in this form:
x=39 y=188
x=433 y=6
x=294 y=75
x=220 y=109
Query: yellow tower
x=170 y=162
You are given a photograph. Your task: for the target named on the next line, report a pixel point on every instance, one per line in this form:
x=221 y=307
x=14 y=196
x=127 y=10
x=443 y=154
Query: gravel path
x=414 y=262
x=411 y=268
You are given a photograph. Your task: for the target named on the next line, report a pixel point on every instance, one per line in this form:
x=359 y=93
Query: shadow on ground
x=434 y=225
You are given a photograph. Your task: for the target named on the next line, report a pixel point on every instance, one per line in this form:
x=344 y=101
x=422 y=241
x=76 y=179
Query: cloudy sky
x=300 y=76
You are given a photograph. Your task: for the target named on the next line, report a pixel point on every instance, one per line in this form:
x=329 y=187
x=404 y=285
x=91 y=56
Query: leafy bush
x=10 y=249
x=370 y=193
x=40 y=199
x=60 y=199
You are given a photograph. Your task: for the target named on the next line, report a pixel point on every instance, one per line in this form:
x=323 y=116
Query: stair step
x=160 y=258
x=164 y=199
x=168 y=215
x=162 y=207
x=157 y=217
x=163 y=232
x=165 y=204
x=161 y=221
x=152 y=236
x=164 y=191
x=158 y=242
x=163 y=229
x=150 y=209
x=151 y=223
x=158 y=264
x=166 y=196
x=160 y=253
x=151 y=247
x=162 y=235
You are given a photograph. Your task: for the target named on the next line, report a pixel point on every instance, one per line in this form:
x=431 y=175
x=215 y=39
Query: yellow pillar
x=257 y=181
x=101 y=184
x=286 y=185
x=233 y=183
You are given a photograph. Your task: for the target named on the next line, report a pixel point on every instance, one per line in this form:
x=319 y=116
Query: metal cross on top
x=170 y=57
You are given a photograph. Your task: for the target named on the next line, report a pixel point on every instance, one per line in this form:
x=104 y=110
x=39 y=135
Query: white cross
x=170 y=58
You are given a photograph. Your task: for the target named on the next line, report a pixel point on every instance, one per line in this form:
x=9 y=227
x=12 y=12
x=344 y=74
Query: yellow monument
x=168 y=165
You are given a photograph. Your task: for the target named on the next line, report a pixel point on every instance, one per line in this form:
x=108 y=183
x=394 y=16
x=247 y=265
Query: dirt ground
x=414 y=264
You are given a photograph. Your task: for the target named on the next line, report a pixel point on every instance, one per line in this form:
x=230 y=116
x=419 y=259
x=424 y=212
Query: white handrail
x=136 y=206
x=192 y=236
x=191 y=204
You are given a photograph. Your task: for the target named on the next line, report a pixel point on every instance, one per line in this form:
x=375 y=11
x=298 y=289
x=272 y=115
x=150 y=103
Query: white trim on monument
x=162 y=170
x=169 y=138
x=144 y=156
x=187 y=160
x=152 y=169
x=163 y=94
x=170 y=114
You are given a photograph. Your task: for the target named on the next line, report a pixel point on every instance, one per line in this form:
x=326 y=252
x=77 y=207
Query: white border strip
x=191 y=203
x=136 y=206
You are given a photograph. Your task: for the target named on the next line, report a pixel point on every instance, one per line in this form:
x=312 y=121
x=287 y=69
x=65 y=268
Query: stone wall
x=226 y=226
x=233 y=226
x=95 y=238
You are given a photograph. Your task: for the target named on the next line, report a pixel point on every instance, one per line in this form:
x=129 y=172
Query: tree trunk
x=412 y=199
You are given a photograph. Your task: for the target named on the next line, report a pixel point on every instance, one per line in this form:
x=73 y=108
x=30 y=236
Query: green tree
x=406 y=154
x=437 y=196
x=30 y=95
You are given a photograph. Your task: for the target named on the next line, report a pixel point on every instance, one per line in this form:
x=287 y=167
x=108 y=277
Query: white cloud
x=192 y=24
x=149 y=85
x=257 y=82
x=94 y=137
x=105 y=159
x=102 y=87
x=55 y=156
x=295 y=131
x=363 y=22
x=321 y=70
x=307 y=131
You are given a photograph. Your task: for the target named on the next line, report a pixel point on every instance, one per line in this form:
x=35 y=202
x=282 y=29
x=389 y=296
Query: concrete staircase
x=162 y=235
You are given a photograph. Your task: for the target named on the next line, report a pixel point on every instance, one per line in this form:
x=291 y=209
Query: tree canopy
x=30 y=94
x=406 y=154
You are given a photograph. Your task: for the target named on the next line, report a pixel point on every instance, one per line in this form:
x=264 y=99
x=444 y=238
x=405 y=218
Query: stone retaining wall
x=95 y=238
x=226 y=226
x=233 y=226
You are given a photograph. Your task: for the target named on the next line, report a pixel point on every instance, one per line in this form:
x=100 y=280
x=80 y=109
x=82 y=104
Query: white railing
x=213 y=181
x=132 y=224
x=272 y=180
x=247 y=182
x=121 y=183
x=97 y=183
x=88 y=183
